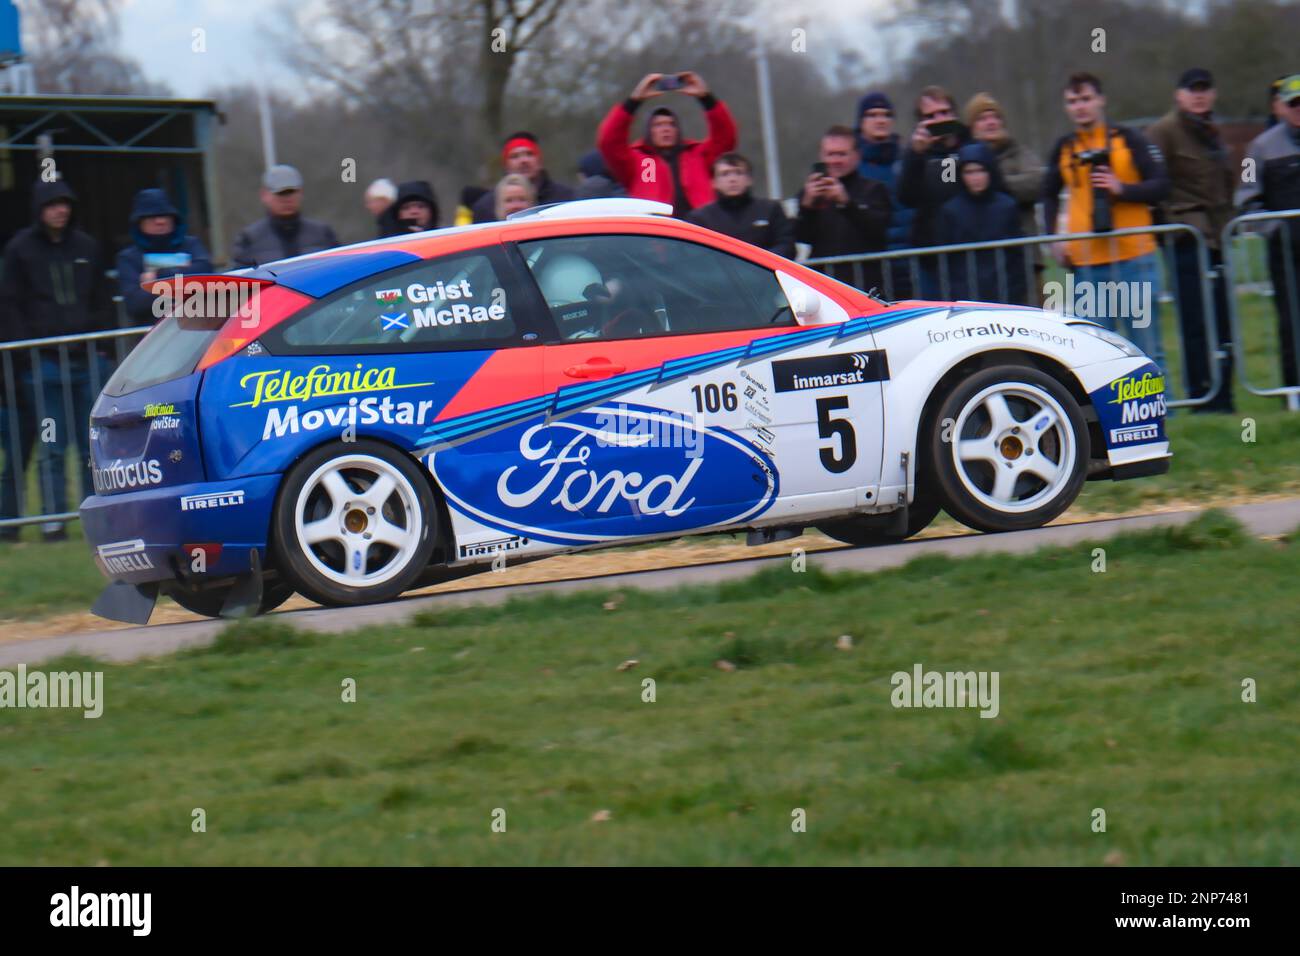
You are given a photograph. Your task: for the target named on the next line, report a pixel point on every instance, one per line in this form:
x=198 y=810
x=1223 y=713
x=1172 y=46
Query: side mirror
x=809 y=306
x=805 y=303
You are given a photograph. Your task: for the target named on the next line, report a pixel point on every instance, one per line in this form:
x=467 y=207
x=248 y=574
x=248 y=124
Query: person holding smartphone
x=842 y=213
x=662 y=165
x=160 y=248
x=929 y=176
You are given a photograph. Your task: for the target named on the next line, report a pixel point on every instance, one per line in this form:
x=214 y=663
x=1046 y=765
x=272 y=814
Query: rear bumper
x=200 y=531
x=1141 y=469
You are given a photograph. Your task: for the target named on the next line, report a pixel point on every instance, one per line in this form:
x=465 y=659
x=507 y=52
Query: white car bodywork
x=914 y=345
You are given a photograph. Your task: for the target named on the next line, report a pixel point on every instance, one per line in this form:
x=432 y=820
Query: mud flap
x=898 y=522
x=129 y=603
x=245 y=598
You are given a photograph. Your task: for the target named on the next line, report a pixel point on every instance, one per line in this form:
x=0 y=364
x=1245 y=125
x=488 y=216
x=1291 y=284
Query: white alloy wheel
x=1013 y=447
x=358 y=521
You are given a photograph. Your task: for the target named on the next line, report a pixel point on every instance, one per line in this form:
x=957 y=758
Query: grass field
x=1118 y=690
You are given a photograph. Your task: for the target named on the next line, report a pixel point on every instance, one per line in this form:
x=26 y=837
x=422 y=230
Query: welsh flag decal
x=389 y=296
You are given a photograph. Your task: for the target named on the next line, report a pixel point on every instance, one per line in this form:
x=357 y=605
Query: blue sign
x=607 y=472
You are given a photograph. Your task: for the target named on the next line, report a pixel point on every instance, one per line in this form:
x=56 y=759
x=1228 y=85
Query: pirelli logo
x=217 y=499
x=1134 y=433
x=495 y=546
x=830 y=371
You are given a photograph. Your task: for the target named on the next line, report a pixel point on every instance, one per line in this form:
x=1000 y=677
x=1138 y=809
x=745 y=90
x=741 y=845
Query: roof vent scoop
x=585 y=208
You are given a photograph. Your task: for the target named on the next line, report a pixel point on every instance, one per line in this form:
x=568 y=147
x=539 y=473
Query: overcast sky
x=159 y=34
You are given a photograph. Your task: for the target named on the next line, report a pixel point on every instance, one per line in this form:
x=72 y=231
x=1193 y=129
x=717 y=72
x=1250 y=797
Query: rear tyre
x=866 y=530
x=1014 y=454
x=354 y=523
x=209 y=603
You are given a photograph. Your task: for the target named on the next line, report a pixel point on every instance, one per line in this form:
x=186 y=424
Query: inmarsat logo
x=134 y=910
x=825 y=371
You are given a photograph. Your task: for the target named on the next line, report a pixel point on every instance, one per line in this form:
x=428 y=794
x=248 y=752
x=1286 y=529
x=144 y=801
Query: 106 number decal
x=712 y=398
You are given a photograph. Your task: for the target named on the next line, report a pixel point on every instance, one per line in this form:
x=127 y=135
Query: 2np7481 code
x=1218 y=898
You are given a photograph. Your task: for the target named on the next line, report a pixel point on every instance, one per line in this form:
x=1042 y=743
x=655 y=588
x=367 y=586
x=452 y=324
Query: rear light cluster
x=267 y=307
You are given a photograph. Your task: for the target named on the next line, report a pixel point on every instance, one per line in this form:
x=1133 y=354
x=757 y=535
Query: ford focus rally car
x=353 y=423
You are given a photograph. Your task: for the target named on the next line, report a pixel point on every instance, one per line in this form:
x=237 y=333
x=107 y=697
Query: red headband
x=520 y=142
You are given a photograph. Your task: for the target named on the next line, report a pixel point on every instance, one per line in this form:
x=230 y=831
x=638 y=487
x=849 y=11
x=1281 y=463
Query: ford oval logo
x=607 y=472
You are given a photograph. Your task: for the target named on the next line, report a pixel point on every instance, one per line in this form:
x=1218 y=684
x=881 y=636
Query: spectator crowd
x=958 y=176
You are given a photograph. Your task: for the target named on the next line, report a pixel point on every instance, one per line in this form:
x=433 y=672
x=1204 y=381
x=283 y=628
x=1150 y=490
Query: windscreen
x=168 y=352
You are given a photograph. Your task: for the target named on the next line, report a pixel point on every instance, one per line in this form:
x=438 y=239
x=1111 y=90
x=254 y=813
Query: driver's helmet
x=564 y=279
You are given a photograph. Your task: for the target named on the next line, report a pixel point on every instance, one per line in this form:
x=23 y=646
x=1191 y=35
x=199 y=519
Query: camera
x=944 y=128
x=1101 y=219
x=669 y=82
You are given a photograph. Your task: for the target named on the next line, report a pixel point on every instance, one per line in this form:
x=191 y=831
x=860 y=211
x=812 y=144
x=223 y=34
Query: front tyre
x=867 y=530
x=1010 y=449
x=354 y=523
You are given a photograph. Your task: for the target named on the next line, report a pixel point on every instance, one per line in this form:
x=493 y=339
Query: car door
x=664 y=368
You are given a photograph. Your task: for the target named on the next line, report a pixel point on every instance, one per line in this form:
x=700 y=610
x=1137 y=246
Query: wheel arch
x=444 y=548
x=963 y=366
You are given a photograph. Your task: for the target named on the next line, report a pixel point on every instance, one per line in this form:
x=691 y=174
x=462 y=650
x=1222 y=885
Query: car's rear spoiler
x=205 y=301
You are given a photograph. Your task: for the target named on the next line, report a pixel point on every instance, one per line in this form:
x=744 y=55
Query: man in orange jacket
x=662 y=165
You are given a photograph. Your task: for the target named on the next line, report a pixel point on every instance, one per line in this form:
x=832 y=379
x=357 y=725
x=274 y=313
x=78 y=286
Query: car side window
x=451 y=302
x=620 y=286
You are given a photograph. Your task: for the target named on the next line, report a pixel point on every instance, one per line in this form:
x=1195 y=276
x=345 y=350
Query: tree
x=70 y=46
x=451 y=59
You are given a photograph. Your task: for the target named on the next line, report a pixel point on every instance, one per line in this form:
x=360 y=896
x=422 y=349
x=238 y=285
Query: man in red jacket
x=661 y=165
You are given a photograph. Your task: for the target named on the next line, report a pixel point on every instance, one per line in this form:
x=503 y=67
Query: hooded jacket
x=1021 y=169
x=53 y=287
x=131 y=260
x=992 y=275
x=413 y=189
x=685 y=171
x=548 y=191
x=596 y=182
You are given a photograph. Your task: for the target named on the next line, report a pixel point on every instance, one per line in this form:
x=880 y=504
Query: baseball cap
x=1196 y=75
x=282 y=179
x=1289 y=88
x=874 y=101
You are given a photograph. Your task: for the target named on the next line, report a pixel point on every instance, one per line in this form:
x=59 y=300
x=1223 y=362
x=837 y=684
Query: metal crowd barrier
x=955 y=256
x=25 y=413
x=1239 y=236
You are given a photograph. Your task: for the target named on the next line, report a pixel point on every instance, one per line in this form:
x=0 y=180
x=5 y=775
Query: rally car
x=354 y=423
